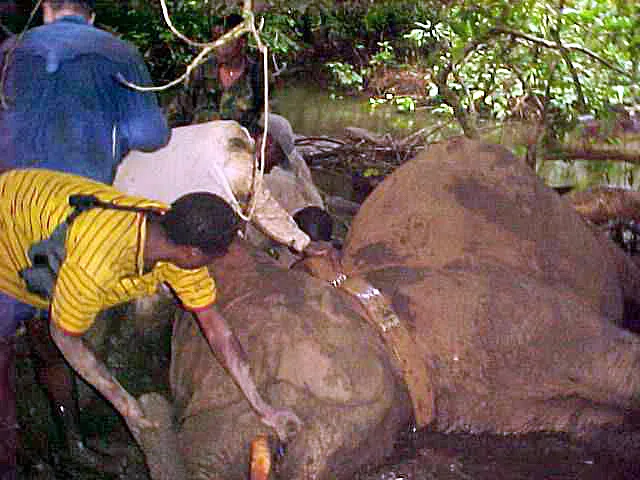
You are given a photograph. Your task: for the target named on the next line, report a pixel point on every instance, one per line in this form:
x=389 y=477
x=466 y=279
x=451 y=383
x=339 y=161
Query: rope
x=258 y=165
x=248 y=24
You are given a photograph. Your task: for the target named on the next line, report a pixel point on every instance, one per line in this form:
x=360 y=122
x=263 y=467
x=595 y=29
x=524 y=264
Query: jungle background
x=555 y=81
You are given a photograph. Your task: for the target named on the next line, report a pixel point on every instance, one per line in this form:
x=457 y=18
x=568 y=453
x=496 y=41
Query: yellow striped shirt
x=104 y=248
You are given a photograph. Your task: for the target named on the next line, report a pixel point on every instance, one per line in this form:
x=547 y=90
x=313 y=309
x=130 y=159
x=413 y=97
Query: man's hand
x=227 y=349
x=87 y=365
x=284 y=422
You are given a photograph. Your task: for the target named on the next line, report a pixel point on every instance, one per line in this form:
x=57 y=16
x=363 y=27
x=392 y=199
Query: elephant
x=515 y=301
x=512 y=300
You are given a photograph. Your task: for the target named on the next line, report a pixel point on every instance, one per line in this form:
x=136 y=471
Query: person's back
x=64 y=109
x=67 y=110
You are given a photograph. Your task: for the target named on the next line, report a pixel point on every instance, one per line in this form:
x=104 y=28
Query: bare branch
x=232 y=34
x=613 y=155
x=200 y=58
x=167 y=19
x=568 y=46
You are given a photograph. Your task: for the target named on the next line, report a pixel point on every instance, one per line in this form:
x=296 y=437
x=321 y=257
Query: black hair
x=202 y=220
x=315 y=222
x=87 y=6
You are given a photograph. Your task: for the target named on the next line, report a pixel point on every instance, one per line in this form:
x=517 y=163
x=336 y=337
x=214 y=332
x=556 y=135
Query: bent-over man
x=119 y=250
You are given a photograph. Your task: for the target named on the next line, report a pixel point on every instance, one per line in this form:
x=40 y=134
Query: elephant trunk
x=160 y=445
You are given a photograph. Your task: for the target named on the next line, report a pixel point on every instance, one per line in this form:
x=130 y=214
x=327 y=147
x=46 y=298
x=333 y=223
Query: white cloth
x=215 y=157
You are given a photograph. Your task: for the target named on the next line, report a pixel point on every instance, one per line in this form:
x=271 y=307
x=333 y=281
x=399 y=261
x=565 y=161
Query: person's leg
x=56 y=379
x=8 y=423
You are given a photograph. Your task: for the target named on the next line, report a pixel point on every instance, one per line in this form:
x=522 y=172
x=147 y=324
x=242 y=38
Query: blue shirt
x=67 y=110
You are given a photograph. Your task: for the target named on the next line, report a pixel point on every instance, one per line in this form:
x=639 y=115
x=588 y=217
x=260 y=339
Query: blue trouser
x=12 y=314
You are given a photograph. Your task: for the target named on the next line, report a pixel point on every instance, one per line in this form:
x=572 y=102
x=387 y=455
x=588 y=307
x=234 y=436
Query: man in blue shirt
x=66 y=110
x=63 y=108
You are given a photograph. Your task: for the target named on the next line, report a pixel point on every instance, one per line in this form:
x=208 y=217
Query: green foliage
x=482 y=57
x=165 y=54
x=576 y=57
x=384 y=56
x=505 y=66
x=345 y=76
x=281 y=34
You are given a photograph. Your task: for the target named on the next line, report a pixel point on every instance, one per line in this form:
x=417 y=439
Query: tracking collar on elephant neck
x=338 y=281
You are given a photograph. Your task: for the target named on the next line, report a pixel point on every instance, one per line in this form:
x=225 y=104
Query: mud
x=429 y=455
x=422 y=455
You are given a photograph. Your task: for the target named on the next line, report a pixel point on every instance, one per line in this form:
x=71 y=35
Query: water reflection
x=312 y=111
x=584 y=174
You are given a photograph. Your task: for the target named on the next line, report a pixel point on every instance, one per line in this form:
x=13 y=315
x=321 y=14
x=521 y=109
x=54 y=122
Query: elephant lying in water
x=511 y=298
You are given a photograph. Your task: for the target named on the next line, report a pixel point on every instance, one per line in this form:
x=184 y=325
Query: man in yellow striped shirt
x=113 y=256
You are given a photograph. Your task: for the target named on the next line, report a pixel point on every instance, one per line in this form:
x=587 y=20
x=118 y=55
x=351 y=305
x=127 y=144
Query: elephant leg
x=576 y=416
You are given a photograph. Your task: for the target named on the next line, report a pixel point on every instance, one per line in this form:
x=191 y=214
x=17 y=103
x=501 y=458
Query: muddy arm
x=229 y=352
x=87 y=365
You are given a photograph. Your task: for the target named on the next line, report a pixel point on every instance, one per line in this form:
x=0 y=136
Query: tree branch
x=558 y=46
x=582 y=153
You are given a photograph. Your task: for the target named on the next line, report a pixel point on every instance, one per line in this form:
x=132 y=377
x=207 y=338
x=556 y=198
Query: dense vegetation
x=549 y=63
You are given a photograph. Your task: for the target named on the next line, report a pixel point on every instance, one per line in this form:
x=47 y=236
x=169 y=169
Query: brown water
x=540 y=456
x=314 y=111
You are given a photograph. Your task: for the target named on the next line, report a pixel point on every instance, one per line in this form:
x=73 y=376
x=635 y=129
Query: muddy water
x=431 y=455
x=314 y=111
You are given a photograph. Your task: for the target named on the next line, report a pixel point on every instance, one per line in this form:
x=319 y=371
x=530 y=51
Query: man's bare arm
x=229 y=352
x=87 y=365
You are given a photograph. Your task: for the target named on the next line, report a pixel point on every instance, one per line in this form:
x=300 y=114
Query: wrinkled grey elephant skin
x=308 y=350
x=513 y=298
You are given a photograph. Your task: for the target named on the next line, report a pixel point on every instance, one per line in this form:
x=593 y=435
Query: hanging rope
x=247 y=26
